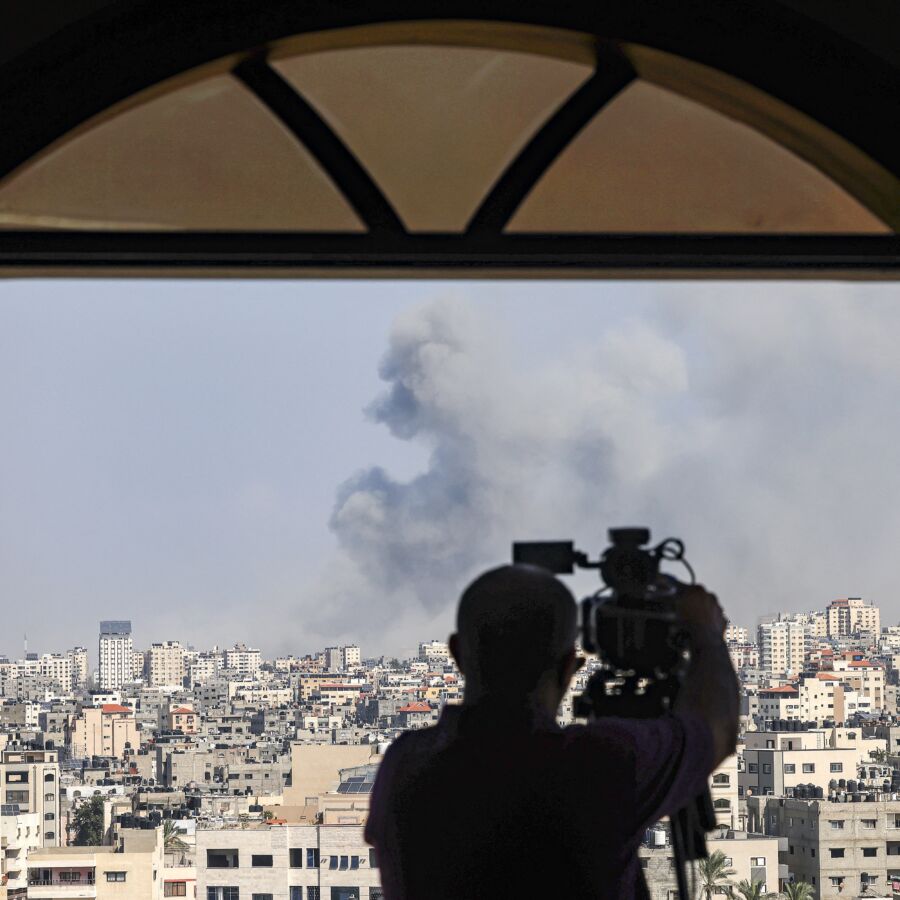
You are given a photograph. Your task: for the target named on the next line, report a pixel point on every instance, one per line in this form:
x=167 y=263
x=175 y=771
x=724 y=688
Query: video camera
x=632 y=625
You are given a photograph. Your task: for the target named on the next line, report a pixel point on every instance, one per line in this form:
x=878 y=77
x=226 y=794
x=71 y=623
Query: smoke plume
x=759 y=427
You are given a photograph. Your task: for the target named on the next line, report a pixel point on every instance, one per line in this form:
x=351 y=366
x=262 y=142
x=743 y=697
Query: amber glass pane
x=206 y=156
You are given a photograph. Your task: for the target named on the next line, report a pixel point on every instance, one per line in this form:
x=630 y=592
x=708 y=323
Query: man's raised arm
x=710 y=689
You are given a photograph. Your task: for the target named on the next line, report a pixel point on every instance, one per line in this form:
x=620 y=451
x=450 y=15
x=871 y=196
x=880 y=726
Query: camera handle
x=689 y=826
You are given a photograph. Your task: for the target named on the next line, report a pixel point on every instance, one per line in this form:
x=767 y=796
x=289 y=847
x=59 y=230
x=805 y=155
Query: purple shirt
x=491 y=804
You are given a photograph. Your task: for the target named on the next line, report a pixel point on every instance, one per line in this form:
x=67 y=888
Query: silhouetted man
x=498 y=801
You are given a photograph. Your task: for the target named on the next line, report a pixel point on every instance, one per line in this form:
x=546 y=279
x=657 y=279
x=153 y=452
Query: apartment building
x=723 y=788
x=842 y=848
x=204 y=668
x=778 y=703
x=109 y=730
x=334 y=659
x=30 y=784
x=734 y=634
x=243 y=660
x=865 y=677
x=296 y=862
x=776 y=763
x=130 y=870
x=434 y=652
x=743 y=655
x=20 y=834
x=80 y=671
x=116 y=654
x=59 y=669
x=165 y=664
x=752 y=857
x=183 y=719
x=351 y=657
x=782 y=644
x=851 y=616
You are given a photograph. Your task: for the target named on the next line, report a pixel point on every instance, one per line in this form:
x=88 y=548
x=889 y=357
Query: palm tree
x=799 y=890
x=172 y=841
x=752 y=890
x=714 y=873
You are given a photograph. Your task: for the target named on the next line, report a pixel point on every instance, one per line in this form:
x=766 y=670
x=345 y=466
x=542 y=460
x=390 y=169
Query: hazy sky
x=294 y=464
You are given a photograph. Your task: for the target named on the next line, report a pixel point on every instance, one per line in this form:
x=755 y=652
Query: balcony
x=49 y=885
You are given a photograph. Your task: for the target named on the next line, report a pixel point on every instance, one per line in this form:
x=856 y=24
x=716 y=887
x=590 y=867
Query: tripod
x=609 y=693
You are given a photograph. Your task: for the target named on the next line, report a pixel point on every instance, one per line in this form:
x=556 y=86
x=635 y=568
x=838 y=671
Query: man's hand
x=710 y=688
x=701 y=613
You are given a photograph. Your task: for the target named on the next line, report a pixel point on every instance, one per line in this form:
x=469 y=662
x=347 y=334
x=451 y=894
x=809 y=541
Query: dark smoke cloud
x=759 y=423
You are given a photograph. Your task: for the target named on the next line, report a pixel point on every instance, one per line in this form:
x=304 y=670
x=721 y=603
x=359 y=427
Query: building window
x=354 y=862
x=230 y=892
x=757 y=861
x=376 y=893
x=837 y=852
x=49 y=835
x=789 y=768
x=17 y=796
x=221 y=859
x=344 y=862
x=836 y=824
x=313 y=893
x=345 y=893
x=261 y=861
x=722 y=803
x=262 y=897
x=296 y=855
x=373 y=858
x=296 y=892
x=809 y=768
x=49 y=798
x=767 y=769
x=115 y=876
x=870 y=851
x=868 y=823
x=770 y=745
x=752 y=768
x=837 y=767
x=721 y=778
x=17 y=778
x=69 y=877
x=175 y=889
x=312 y=858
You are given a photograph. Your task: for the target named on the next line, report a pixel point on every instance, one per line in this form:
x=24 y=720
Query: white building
x=59 y=669
x=734 y=634
x=289 y=862
x=204 y=668
x=165 y=664
x=19 y=834
x=782 y=644
x=116 y=654
x=79 y=657
x=434 y=652
x=243 y=660
x=851 y=616
x=351 y=657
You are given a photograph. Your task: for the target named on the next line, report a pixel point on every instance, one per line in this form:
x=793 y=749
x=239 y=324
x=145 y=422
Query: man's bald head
x=514 y=623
